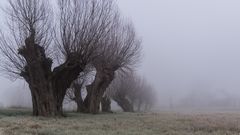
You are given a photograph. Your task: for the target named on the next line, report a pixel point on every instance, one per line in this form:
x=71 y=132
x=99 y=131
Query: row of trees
x=52 y=49
x=129 y=91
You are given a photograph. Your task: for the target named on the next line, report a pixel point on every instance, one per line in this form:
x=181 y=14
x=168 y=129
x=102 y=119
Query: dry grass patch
x=124 y=124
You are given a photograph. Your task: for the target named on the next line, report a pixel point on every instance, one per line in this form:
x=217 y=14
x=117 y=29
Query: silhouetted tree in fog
x=130 y=92
x=50 y=66
x=121 y=51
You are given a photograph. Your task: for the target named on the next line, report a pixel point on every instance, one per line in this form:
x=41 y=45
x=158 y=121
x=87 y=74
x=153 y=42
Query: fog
x=191 y=51
x=189 y=46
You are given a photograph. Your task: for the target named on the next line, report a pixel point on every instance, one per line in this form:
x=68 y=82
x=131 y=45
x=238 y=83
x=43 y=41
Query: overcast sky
x=187 y=45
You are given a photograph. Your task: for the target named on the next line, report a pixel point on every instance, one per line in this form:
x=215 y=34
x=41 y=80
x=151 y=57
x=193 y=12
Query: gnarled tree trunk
x=62 y=78
x=77 y=89
x=47 y=87
x=95 y=91
x=44 y=103
x=106 y=105
x=38 y=75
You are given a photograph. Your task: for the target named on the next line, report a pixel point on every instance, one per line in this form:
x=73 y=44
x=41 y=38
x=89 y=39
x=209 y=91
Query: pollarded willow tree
x=49 y=53
x=121 y=52
x=131 y=93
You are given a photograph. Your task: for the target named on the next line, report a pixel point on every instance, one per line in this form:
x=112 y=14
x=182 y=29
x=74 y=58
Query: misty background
x=191 y=52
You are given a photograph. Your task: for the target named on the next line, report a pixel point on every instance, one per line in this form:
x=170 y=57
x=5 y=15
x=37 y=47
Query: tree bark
x=95 y=91
x=43 y=103
x=48 y=92
x=62 y=78
x=106 y=105
x=43 y=99
x=78 y=97
x=47 y=87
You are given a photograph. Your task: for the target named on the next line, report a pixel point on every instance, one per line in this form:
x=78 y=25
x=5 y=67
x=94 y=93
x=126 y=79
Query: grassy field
x=19 y=122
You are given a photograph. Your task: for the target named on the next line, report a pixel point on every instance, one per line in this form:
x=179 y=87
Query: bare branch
x=83 y=24
x=25 y=18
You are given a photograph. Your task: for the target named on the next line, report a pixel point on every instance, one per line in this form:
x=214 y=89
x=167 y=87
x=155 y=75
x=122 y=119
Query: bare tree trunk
x=124 y=104
x=43 y=100
x=96 y=90
x=79 y=100
x=62 y=78
x=48 y=87
x=80 y=107
x=106 y=105
x=48 y=94
x=34 y=105
x=44 y=103
x=91 y=102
